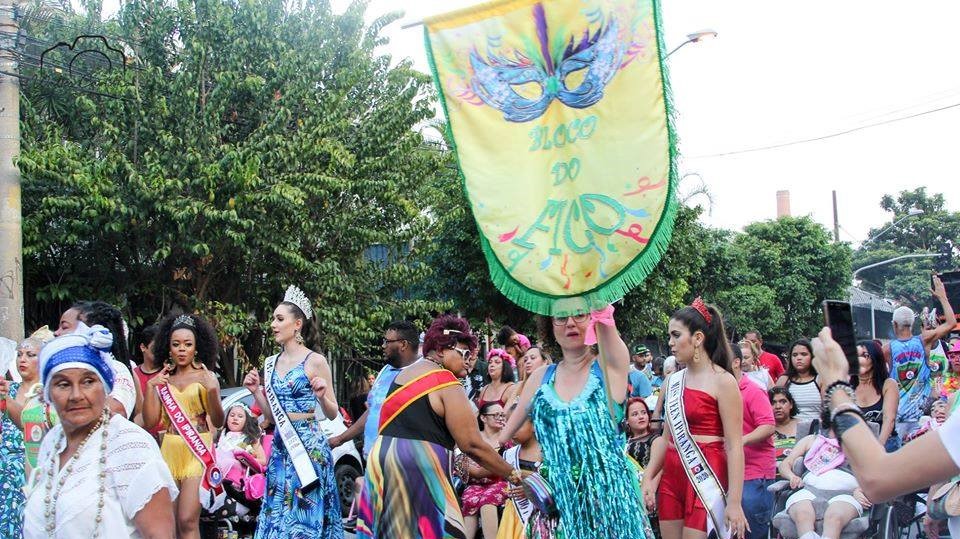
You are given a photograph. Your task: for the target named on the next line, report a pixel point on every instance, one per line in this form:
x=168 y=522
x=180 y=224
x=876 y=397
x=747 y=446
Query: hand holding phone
x=838 y=315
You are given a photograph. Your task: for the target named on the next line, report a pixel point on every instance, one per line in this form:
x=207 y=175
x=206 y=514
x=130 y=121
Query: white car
x=348 y=464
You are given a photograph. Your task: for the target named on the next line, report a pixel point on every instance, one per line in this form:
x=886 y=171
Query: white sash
x=701 y=476
x=291 y=440
x=523 y=506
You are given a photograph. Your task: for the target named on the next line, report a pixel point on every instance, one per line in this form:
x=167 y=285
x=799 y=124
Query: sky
x=785 y=71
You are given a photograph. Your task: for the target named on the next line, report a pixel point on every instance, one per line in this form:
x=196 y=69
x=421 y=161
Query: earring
x=298 y=337
x=696 y=355
x=197 y=364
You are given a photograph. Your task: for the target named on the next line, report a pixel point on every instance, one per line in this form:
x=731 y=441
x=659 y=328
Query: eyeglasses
x=501 y=415
x=465 y=353
x=578 y=318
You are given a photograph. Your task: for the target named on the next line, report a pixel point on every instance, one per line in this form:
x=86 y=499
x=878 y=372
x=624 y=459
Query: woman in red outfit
x=714 y=413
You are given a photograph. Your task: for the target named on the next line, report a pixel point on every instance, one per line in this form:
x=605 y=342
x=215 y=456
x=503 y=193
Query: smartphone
x=838 y=316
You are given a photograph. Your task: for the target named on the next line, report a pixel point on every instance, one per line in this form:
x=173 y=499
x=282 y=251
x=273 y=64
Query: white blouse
x=124 y=388
x=135 y=472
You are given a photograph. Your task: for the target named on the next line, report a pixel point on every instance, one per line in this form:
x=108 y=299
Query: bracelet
x=845 y=407
x=839 y=385
x=844 y=421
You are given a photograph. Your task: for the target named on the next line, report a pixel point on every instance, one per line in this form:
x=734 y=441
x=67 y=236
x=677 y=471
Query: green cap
x=640 y=350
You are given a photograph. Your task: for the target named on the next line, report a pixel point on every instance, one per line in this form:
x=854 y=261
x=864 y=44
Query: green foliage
x=249 y=145
x=934 y=231
x=782 y=270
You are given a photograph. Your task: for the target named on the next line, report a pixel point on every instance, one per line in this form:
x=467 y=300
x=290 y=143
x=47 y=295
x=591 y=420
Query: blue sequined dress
x=596 y=488
x=11 y=475
x=287 y=513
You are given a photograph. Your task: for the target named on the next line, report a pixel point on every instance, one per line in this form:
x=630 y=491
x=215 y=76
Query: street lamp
x=891 y=260
x=695 y=37
x=912 y=212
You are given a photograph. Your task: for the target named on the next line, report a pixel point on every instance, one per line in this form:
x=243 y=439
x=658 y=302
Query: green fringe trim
x=630 y=276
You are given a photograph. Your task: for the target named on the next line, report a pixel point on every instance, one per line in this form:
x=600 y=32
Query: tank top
x=585 y=453
x=37 y=417
x=807 y=396
x=874 y=412
x=910 y=371
x=193 y=401
x=481 y=403
x=418 y=421
x=703 y=413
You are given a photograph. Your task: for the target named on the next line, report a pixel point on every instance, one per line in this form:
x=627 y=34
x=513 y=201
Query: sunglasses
x=501 y=415
x=465 y=353
x=578 y=318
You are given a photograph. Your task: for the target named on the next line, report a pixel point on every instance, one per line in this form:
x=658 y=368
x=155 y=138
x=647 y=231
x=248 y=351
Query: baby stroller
x=244 y=484
x=873 y=522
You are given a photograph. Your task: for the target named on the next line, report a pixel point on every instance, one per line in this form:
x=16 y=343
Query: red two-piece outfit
x=676 y=498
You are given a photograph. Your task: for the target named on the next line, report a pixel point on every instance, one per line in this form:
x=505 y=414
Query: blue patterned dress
x=286 y=512
x=11 y=475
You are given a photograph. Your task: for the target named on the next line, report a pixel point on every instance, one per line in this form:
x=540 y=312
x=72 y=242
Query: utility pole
x=836 y=221
x=11 y=238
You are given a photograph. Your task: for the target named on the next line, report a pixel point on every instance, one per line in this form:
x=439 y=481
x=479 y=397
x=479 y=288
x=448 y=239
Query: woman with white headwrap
x=98 y=476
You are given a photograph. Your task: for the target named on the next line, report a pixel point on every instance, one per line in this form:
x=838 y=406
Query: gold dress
x=175 y=451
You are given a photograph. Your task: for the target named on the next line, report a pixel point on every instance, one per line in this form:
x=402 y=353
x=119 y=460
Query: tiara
x=701 y=308
x=184 y=320
x=296 y=296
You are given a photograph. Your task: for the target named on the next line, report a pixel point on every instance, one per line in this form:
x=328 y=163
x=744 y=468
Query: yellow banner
x=558 y=114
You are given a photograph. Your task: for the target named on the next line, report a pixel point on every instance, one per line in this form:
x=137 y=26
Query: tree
x=246 y=146
x=934 y=231
x=784 y=269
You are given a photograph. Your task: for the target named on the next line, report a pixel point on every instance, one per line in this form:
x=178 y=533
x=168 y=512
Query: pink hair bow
x=603 y=316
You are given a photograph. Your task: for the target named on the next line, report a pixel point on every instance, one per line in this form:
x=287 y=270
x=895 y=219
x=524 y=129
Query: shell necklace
x=50 y=511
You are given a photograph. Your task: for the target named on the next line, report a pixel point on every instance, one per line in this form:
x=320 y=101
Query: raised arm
x=14 y=408
x=616 y=355
x=214 y=407
x=317 y=366
x=252 y=382
x=883 y=475
x=931 y=336
x=152 y=410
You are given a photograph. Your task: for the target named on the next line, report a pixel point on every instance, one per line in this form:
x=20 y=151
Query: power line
x=824 y=137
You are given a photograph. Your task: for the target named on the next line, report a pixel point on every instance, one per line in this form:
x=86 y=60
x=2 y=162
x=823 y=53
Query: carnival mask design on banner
x=563 y=105
x=497 y=78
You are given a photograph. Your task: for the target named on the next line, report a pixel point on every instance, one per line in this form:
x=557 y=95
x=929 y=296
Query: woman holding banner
x=703 y=464
x=576 y=406
x=301 y=500
x=185 y=400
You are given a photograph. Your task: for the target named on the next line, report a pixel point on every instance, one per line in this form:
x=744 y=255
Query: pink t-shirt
x=760 y=460
x=773 y=365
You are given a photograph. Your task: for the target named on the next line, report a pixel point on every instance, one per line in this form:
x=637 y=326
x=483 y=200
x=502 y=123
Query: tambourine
x=540 y=494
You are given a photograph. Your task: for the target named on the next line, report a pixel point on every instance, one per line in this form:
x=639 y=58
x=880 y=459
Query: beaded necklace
x=50 y=511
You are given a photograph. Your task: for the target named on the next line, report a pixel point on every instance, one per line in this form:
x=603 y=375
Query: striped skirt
x=407 y=492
